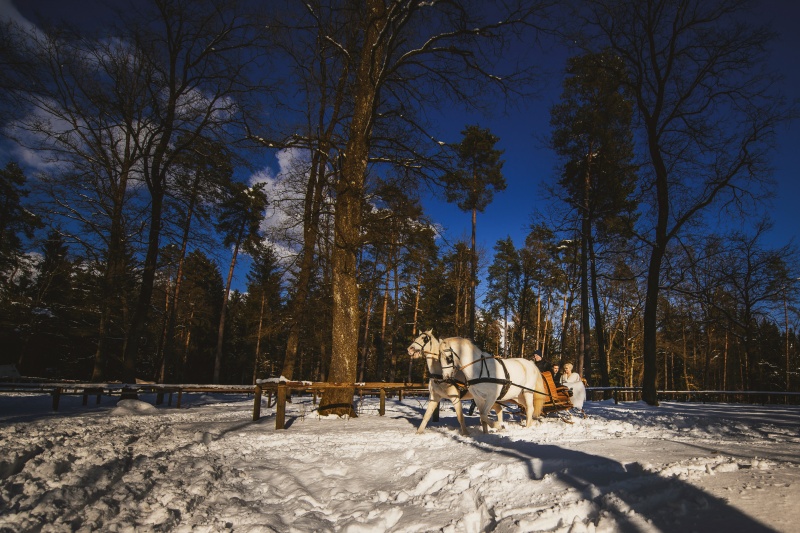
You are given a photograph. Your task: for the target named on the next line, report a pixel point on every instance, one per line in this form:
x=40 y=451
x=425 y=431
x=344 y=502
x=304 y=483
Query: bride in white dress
x=575 y=383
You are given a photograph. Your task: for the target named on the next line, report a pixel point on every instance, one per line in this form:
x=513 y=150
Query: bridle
x=426 y=340
x=449 y=357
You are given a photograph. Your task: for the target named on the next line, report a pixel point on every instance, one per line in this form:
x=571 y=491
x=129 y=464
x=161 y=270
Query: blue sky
x=528 y=162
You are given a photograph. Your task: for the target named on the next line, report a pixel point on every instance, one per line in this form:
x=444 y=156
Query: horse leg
x=539 y=397
x=460 y=414
x=483 y=410
x=498 y=408
x=432 y=405
x=529 y=408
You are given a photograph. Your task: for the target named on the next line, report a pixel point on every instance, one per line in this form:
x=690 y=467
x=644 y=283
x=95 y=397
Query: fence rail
x=278 y=393
x=632 y=393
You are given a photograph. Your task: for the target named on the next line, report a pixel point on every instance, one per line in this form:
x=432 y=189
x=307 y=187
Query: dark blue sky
x=528 y=162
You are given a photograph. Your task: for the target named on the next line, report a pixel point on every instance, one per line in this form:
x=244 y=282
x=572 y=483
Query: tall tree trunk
x=311 y=214
x=564 y=319
x=113 y=284
x=649 y=338
x=599 y=323
x=545 y=346
x=725 y=363
x=169 y=347
x=221 y=329
x=584 y=358
x=162 y=341
x=473 y=277
x=297 y=308
x=539 y=338
x=381 y=352
x=650 y=335
x=347 y=217
x=786 y=317
x=395 y=314
x=258 y=339
x=138 y=324
x=414 y=327
x=365 y=342
x=186 y=341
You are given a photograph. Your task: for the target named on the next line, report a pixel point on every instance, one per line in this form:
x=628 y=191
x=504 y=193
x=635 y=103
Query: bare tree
x=122 y=105
x=409 y=53
x=707 y=114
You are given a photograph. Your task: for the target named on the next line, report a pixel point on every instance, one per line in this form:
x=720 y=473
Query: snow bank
x=208 y=467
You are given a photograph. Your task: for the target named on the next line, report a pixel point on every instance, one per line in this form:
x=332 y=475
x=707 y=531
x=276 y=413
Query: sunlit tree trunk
x=347 y=219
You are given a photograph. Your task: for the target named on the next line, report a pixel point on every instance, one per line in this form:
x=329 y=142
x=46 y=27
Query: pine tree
x=16 y=221
x=504 y=281
x=592 y=135
x=240 y=220
x=472 y=186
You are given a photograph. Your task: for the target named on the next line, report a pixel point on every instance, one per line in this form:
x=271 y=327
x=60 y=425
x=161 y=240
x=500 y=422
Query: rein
x=506 y=383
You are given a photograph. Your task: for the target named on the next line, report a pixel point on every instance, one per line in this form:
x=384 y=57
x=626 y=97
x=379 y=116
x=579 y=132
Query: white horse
x=428 y=345
x=492 y=379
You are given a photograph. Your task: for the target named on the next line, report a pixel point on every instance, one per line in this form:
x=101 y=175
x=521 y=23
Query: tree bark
x=141 y=311
x=473 y=277
x=599 y=322
x=258 y=338
x=297 y=309
x=221 y=329
x=347 y=217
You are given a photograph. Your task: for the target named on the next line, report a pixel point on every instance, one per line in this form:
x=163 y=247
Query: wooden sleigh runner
x=557 y=401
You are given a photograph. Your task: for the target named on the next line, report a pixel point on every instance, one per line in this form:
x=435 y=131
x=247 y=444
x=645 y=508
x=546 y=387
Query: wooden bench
x=558 y=396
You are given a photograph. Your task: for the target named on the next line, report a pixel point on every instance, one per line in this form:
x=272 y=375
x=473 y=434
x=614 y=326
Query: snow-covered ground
x=208 y=467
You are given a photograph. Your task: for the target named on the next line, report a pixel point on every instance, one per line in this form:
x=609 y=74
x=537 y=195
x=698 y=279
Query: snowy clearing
x=132 y=466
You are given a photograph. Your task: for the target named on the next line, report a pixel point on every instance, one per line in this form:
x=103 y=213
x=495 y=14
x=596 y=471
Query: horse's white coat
x=428 y=345
x=526 y=389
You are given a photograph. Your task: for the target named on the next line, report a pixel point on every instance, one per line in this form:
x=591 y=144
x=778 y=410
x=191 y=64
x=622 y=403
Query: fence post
x=178 y=403
x=56 y=397
x=382 y=408
x=257 y=402
x=280 y=411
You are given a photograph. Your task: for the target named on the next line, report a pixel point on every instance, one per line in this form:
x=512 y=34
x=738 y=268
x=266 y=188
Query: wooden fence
x=754 y=397
x=277 y=394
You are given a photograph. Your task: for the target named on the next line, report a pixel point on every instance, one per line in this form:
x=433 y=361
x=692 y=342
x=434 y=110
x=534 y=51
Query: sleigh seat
x=557 y=398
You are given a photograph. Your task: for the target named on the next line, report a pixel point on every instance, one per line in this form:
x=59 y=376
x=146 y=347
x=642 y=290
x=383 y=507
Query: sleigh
x=557 y=398
x=557 y=401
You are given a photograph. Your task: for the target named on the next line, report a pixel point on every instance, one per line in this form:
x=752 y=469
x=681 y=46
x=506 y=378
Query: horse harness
x=451 y=354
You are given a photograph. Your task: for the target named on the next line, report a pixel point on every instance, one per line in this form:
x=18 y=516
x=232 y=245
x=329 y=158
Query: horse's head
x=427 y=345
x=447 y=359
x=424 y=344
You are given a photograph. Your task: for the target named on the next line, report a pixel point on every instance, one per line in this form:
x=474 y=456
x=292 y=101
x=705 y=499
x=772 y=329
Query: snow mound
x=133 y=407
